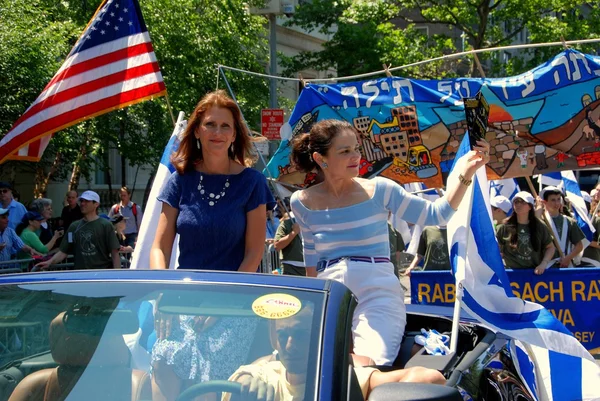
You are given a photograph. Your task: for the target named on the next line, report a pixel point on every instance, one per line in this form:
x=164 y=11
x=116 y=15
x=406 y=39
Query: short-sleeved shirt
x=591 y=252
x=68 y=216
x=523 y=255
x=214 y=237
x=133 y=222
x=433 y=246
x=91 y=243
x=13 y=245
x=292 y=252
x=574 y=233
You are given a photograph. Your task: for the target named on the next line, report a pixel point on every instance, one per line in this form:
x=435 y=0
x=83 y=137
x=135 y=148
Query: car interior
x=85 y=348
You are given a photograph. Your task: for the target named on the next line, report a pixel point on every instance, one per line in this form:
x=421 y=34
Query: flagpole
x=459 y=287
x=170 y=109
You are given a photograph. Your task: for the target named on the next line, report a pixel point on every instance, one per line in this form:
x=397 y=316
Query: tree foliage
x=189 y=38
x=367 y=33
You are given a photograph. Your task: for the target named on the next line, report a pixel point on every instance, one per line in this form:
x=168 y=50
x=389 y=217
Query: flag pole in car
x=459 y=273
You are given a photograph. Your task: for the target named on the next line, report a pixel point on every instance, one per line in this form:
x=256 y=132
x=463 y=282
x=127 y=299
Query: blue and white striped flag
x=507 y=188
x=553 y=179
x=484 y=291
x=141 y=254
x=569 y=183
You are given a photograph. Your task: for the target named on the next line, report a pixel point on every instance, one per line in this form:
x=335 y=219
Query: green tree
x=189 y=38
x=366 y=33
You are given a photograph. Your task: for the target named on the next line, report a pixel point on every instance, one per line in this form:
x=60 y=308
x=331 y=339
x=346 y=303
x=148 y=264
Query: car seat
x=91 y=366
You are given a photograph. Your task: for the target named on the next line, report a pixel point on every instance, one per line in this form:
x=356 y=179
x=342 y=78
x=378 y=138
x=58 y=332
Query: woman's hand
x=479 y=156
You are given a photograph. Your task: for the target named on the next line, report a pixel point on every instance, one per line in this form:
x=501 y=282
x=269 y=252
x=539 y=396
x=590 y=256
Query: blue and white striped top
x=361 y=229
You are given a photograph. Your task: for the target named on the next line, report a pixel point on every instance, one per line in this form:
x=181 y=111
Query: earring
x=324 y=165
x=198 y=143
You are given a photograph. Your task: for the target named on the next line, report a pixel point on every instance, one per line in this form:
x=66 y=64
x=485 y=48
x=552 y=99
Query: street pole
x=273 y=59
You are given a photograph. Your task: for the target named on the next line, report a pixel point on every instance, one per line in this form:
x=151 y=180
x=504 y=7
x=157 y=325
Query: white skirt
x=380 y=317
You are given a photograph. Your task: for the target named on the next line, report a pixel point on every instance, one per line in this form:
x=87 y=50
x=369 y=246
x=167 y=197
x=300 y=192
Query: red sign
x=272 y=120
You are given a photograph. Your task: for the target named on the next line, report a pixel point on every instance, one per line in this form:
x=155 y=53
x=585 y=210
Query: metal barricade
x=270 y=260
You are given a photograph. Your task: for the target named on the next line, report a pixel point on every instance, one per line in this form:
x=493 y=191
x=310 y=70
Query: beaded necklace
x=211 y=197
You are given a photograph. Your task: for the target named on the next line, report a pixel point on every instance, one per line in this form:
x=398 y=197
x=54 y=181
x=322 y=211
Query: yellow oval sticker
x=276 y=306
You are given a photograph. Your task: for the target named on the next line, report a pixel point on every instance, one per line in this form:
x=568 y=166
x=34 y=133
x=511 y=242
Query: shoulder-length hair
x=188 y=154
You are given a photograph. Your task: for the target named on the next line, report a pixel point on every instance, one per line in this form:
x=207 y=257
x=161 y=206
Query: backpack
x=133 y=209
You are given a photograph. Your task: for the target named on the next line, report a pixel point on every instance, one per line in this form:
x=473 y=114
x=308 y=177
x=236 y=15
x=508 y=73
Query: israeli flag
x=571 y=187
x=561 y=368
x=141 y=253
x=553 y=179
x=507 y=188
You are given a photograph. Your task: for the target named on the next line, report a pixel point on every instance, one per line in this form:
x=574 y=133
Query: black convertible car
x=89 y=335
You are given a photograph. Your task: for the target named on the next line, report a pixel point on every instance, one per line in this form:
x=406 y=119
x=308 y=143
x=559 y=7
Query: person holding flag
x=565 y=229
x=552 y=363
x=345 y=237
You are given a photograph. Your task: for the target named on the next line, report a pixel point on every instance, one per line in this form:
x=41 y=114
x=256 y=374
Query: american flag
x=111 y=66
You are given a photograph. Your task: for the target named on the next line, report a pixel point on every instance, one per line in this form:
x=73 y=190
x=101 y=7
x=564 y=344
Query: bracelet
x=464 y=181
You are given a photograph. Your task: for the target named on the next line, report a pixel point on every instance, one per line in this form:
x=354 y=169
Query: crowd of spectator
x=30 y=238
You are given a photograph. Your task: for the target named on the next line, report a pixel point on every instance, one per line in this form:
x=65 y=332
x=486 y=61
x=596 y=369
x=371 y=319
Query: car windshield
x=157 y=341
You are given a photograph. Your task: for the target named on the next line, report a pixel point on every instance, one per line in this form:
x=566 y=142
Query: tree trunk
x=76 y=173
x=42 y=179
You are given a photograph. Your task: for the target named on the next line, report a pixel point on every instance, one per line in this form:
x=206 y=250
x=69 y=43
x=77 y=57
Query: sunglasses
x=5 y=190
x=4 y=216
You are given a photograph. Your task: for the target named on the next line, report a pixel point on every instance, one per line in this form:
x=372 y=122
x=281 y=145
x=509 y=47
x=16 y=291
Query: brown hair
x=318 y=140
x=188 y=154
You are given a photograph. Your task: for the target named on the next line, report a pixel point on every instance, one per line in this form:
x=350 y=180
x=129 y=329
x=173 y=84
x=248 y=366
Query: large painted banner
x=541 y=121
x=572 y=295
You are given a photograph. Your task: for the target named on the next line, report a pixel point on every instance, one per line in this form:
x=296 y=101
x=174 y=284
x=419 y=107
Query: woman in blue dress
x=218 y=207
x=345 y=236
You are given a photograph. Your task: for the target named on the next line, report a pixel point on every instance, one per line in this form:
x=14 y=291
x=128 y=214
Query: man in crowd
x=10 y=243
x=16 y=210
x=71 y=212
x=132 y=212
x=92 y=240
x=565 y=229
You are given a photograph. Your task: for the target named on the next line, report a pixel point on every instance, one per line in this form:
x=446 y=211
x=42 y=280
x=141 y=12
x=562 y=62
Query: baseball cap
x=586 y=197
x=501 y=202
x=90 y=196
x=526 y=196
x=550 y=189
x=3 y=211
x=4 y=184
x=32 y=216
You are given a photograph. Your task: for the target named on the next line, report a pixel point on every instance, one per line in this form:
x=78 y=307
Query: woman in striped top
x=343 y=221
